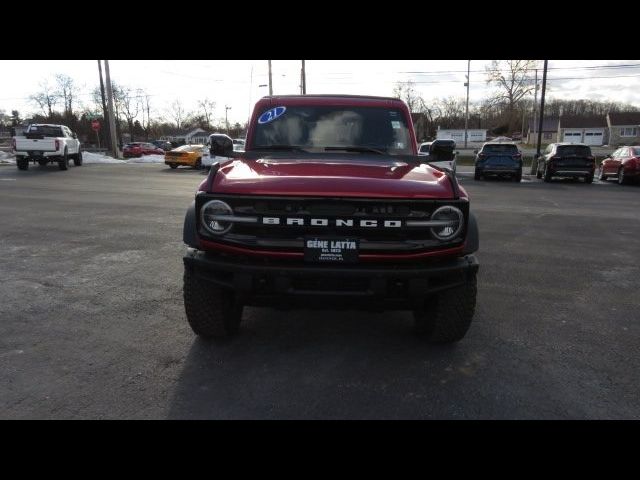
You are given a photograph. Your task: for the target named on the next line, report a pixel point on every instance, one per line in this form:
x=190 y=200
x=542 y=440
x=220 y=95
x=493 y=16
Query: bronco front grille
x=282 y=223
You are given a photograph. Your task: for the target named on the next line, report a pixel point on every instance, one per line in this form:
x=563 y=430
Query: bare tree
x=46 y=98
x=406 y=91
x=207 y=106
x=67 y=91
x=130 y=103
x=177 y=113
x=513 y=78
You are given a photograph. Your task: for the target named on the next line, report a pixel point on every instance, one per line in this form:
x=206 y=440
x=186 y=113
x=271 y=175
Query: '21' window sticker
x=271 y=115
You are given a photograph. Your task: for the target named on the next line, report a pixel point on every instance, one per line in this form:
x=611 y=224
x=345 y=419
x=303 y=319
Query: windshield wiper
x=357 y=149
x=290 y=148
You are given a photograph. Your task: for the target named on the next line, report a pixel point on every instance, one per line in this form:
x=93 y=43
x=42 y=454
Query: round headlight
x=210 y=210
x=453 y=221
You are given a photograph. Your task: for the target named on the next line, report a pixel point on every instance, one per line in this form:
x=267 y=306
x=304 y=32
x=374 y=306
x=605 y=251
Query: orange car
x=189 y=155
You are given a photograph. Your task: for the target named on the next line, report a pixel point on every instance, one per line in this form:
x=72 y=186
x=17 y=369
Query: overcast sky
x=239 y=83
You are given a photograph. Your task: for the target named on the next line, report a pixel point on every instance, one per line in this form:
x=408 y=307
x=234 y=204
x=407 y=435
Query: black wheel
x=22 y=163
x=63 y=164
x=621 y=178
x=588 y=179
x=518 y=176
x=212 y=311
x=173 y=165
x=77 y=160
x=547 y=173
x=602 y=176
x=43 y=163
x=198 y=164
x=476 y=174
x=446 y=316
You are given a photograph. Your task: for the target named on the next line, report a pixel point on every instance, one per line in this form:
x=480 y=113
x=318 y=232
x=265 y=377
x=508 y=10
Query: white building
x=457 y=135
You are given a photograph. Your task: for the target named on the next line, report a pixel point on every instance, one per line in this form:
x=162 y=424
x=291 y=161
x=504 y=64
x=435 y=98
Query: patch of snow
x=88 y=157
x=147 y=159
x=7 y=157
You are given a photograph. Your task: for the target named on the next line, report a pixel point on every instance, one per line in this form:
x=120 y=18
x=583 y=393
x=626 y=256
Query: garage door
x=573 y=137
x=593 y=138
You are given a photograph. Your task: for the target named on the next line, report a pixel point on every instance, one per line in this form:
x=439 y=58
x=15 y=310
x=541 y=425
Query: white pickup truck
x=44 y=143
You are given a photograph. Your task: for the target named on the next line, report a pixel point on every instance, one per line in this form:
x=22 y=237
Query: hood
x=343 y=176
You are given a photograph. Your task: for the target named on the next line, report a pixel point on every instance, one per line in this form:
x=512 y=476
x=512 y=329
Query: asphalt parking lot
x=92 y=323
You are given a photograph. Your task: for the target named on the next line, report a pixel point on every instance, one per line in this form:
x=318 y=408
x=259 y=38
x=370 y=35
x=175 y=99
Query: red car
x=137 y=149
x=624 y=164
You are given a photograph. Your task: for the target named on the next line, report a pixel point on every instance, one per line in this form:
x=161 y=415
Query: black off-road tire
x=77 y=160
x=212 y=311
x=63 y=163
x=173 y=165
x=621 y=178
x=547 y=174
x=588 y=179
x=22 y=163
x=446 y=316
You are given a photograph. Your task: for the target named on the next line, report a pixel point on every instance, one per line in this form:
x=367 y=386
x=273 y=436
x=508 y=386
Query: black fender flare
x=189 y=233
x=472 y=243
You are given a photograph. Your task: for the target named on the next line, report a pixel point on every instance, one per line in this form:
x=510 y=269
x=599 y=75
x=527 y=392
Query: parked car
x=441 y=153
x=239 y=141
x=501 y=159
x=138 y=149
x=568 y=160
x=163 y=144
x=624 y=164
x=189 y=155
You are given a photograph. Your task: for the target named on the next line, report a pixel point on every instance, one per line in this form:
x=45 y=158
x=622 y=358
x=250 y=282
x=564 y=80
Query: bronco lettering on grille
x=326 y=222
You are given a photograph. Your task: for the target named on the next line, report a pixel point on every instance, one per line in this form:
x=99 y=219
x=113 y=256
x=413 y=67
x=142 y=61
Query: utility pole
x=112 y=122
x=535 y=101
x=270 y=84
x=466 y=115
x=303 y=83
x=107 y=130
x=544 y=85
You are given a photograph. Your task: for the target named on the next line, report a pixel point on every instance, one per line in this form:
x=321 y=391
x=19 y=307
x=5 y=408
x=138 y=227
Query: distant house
x=474 y=135
x=624 y=128
x=591 y=130
x=195 y=136
x=550 y=128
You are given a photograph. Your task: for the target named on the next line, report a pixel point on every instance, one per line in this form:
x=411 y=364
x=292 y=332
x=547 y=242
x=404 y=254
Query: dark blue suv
x=502 y=159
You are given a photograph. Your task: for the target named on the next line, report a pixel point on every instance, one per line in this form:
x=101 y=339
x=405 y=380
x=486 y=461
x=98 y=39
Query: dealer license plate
x=331 y=249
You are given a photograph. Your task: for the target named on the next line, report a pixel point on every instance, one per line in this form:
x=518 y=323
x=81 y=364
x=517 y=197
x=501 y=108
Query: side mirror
x=221 y=145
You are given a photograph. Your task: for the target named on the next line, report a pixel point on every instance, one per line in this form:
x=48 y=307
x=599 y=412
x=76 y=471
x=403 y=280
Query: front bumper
x=298 y=284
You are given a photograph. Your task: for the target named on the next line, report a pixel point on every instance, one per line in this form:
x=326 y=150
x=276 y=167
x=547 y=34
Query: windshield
x=574 y=150
x=46 y=130
x=331 y=128
x=636 y=151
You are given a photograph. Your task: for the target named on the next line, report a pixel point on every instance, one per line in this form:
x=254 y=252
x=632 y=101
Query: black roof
x=549 y=124
x=580 y=121
x=329 y=95
x=624 y=118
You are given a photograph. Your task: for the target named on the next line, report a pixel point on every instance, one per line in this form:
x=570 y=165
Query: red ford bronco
x=330 y=206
